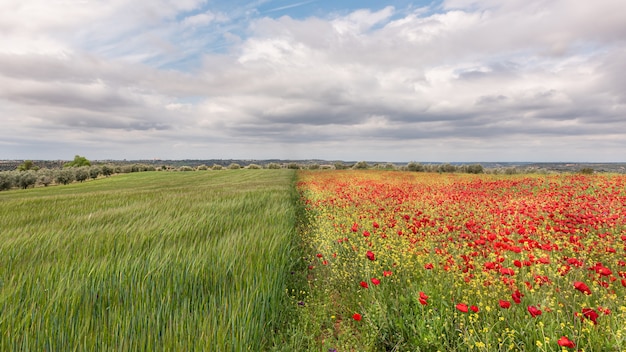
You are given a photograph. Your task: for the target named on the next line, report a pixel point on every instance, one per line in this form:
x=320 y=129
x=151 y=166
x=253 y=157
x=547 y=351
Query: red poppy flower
x=462 y=307
x=591 y=314
x=387 y=273
x=505 y=304
x=565 y=342
x=534 y=311
x=580 y=286
x=375 y=281
x=363 y=284
x=423 y=295
x=507 y=271
x=357 y=316
x=423 y=301
x=474 y=309
x=517 y=296
x=366 y=233
x=428 y=266
x=370 y=255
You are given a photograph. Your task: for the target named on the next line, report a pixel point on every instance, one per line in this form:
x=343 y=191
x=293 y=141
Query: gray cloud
x=475 y=81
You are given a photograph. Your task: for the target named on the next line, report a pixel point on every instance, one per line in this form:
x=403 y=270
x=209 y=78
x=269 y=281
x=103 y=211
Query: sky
x=398 y=81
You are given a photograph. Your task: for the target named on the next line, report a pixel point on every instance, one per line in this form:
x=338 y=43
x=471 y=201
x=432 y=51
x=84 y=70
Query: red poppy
x=507 y=271
x=366 y=233
x=462 y=307
x=517 y=296
x=423 y=301
x=370 y=255
x=591 y=314
x=387 y=273
x=534 y=311
x=357 y=316
x=580 y=286
x=423 y=295
x=363 y=284
x=565 y=342
x=428 y=266
x=505 y=304
x=474 y=309
x=375 y=281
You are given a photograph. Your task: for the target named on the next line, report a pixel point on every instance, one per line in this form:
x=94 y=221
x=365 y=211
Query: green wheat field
x=149 y=261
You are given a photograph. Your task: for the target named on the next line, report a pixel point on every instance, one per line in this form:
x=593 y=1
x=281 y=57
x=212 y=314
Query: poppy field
x=400 y=261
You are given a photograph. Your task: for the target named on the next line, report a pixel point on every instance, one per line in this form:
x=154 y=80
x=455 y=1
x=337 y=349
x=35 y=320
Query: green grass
x=148 y=261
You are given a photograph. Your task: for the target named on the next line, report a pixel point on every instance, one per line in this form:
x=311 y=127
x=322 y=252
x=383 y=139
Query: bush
x=81 y=174
x=340 y=166
x=475 y=169
x=78 y=162
x=64 y=176
x=416 y=167
x=273 y=166
x=361 y=165
x=446 y=168
x=586 y=171
x=234 y=166
x=45 y=177
x=293 y=166
x=185 y=168
x=202 y=167
x=254 y=166
x=216 y=167
x=6 y=181
x=107 y=170
x=26 y=179
x=314 y=167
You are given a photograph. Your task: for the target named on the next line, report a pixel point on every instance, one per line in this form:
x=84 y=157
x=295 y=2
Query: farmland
x=427 y=262
x=341 y=260
x=147 y=261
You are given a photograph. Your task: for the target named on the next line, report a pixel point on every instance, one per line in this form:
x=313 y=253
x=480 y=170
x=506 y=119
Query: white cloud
x=476 y=80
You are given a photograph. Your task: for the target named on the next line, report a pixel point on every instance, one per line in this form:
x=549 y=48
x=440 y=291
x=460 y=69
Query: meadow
x=404 y=261
x=148 y=261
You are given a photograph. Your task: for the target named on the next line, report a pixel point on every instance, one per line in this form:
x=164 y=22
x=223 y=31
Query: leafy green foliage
x=78 y=162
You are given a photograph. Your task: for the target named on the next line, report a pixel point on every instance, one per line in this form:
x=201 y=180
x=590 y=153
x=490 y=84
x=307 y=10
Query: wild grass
x=148 y=261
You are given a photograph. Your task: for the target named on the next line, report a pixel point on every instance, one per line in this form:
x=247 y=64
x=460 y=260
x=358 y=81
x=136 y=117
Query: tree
x=45 y=177
x=26 y=179
x=417 y=167
x=27 y=165
x=6 y=181
x=78 y=162
x=64 y=176
x=107 y=170
x=81 y=174
x=475 y=169
x=361 y=165
x=273 y=166
x=94 y=172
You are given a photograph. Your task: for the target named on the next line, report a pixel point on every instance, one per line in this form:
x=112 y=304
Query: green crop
x=147 y=261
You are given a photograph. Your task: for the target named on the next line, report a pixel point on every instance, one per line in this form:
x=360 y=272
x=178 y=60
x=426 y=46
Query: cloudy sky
x=452 y=80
